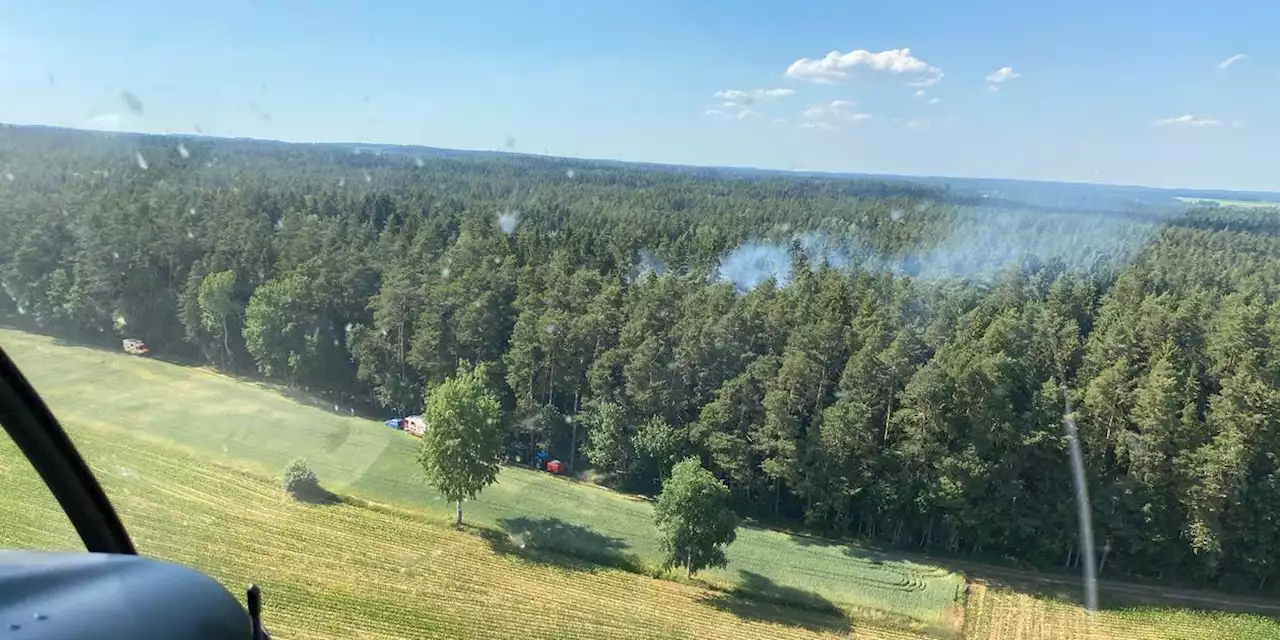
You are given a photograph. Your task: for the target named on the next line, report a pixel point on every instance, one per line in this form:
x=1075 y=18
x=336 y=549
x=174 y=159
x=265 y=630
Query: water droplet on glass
x=40 y=616
x=895 y=215
x=131 y=101
x=552 y=328
x=367 y=176
x=15 y=627
x=418 y=161
x=569 y=173
x=182 y=151
x=190 y=235
x=142 y=162
x=342 y=182
x=115 y=255
x=444 y=273
x=8 y=176
x=510 y=142
x=508 y=220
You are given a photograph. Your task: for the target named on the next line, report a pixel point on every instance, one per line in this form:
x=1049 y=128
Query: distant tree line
x=912 y=394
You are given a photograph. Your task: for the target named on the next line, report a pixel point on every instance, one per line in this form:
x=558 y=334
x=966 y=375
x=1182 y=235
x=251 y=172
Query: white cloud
x=1232 y=60
x=835 y=108
x=749 y=97
x=816 y=125
x=919 y=93
x=1187 y=120
x=1000 y=76
x=927 y=81
x=732 y=94
x=835 y=66
x=935 y=100
x=834 y=111
x=738 y=103
x=106 y=122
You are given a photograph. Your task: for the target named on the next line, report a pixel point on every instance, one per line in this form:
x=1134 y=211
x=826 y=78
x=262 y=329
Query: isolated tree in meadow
x=694 y=520
x=463 y=440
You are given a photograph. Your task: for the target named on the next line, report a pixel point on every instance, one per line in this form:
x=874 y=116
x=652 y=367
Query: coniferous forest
x=859 y=357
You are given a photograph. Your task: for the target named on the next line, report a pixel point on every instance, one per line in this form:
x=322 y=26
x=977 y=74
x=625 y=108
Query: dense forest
x=862 y=358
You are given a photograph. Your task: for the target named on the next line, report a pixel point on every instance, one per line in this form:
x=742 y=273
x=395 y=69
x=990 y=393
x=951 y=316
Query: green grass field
x=257 y=427
x=190 y=458
x=1002 y=614
x=351 y=571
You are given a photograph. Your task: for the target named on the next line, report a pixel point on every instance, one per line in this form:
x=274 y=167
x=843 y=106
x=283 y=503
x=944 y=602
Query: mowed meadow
x=994 y=613
x=347 y=571
x=190 y=458
x=245 y=425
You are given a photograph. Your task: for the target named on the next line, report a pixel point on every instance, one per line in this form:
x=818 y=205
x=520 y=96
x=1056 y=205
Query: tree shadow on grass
x=758 y=598
x=316 y=495
x=554 y=541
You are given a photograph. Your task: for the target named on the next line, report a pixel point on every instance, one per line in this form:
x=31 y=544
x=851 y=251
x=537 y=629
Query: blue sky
x=1119 y=92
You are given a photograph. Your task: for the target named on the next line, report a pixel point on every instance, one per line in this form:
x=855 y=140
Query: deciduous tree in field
x=460 y=448
x=694 y=520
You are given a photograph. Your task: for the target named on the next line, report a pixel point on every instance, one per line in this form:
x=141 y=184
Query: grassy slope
x=1000 y=614
x=348 y=571
x=254 y=426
